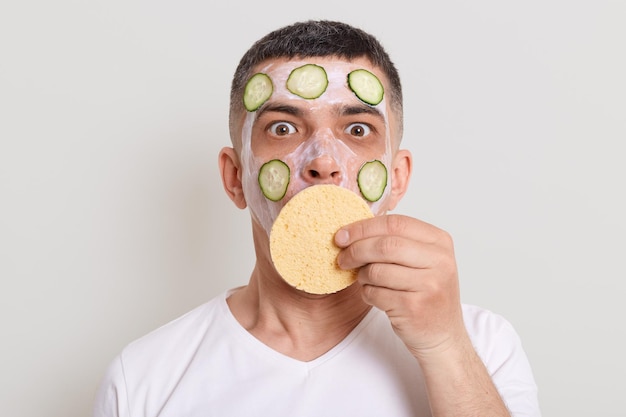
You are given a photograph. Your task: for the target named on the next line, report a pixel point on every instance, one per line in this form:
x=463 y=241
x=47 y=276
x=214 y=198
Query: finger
x=393 y=277
x=389 y=249
x=392 y=224
x=388 y=300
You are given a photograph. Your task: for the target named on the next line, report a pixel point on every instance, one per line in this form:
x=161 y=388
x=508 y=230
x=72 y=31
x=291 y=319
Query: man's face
x=322 y=140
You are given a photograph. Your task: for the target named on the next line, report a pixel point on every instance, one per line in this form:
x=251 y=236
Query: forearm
x=459 y=384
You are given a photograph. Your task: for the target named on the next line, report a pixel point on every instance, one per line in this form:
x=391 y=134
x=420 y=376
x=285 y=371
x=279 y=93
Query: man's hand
x=408 y=269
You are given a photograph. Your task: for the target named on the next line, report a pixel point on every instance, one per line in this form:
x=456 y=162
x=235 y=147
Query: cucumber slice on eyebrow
x=366 y=86
x=308 y=81
x=372 y=180
x=274 y=179
x=258 y=89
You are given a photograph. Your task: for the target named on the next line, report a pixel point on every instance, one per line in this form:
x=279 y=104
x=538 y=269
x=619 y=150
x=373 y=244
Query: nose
x=322 y=170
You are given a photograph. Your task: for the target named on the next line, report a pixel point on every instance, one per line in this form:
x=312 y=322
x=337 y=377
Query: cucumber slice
x=258 y=89
x=308 y=81
x=366 y=86
x=372 y=180
x=274 y=179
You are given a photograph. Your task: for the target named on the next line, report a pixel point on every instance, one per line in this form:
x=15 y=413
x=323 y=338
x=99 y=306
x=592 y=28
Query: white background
x=113 y=220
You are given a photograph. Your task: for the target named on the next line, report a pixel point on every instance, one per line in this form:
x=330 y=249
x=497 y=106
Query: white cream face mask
x=291 y=170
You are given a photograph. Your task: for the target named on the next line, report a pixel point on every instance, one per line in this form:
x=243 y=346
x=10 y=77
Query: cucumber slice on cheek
x=258 y=89
x=274 y=179
x=308 y=81
x=372 y=180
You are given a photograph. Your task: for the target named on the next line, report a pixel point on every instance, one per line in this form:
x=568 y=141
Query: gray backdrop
x=113 y=220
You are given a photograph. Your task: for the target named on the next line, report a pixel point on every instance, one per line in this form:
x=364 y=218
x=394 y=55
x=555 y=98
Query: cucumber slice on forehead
x=366 y=86
x=274 y=179
x=308 y=81
x=258 y=89
x=372 y=180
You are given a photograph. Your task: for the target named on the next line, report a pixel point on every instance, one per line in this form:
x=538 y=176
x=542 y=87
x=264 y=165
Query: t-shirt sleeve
x=111 y=396
x=500 y=347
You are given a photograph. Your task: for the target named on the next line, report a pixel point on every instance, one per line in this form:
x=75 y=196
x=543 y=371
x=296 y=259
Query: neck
x=300 y=325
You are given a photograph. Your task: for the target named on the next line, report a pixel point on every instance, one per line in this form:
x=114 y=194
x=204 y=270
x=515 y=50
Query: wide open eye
x=358 y=130
x=282 y=129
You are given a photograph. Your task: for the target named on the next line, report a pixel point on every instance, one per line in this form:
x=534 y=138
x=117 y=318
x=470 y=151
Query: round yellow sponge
x=302 y=237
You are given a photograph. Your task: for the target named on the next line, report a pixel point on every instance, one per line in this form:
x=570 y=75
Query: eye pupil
x=359 y=130
x=282 y=129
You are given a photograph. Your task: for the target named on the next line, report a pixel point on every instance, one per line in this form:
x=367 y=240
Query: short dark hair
x=315 y=38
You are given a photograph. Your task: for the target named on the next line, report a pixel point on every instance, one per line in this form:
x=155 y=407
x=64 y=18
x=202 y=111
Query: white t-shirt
x=205 y=364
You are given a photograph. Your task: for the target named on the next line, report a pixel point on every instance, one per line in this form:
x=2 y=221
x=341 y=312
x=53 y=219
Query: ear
x=402 y=166
x=230 y=170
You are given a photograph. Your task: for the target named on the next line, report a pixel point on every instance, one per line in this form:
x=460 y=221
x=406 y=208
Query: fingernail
x=341 y=237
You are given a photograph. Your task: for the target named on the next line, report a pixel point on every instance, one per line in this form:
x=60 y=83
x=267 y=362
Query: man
x=398 y=342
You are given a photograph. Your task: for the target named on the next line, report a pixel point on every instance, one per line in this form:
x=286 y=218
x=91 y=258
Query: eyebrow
x=279 y=108
x=346 y=110
x=340 y=110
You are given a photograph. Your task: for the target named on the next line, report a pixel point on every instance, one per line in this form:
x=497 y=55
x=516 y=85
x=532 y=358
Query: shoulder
x=171 y=344
x=491 y=333
x=481 y=322
x=185 y=330
x=148 y=368
x=499 y=345
x=154 y=361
